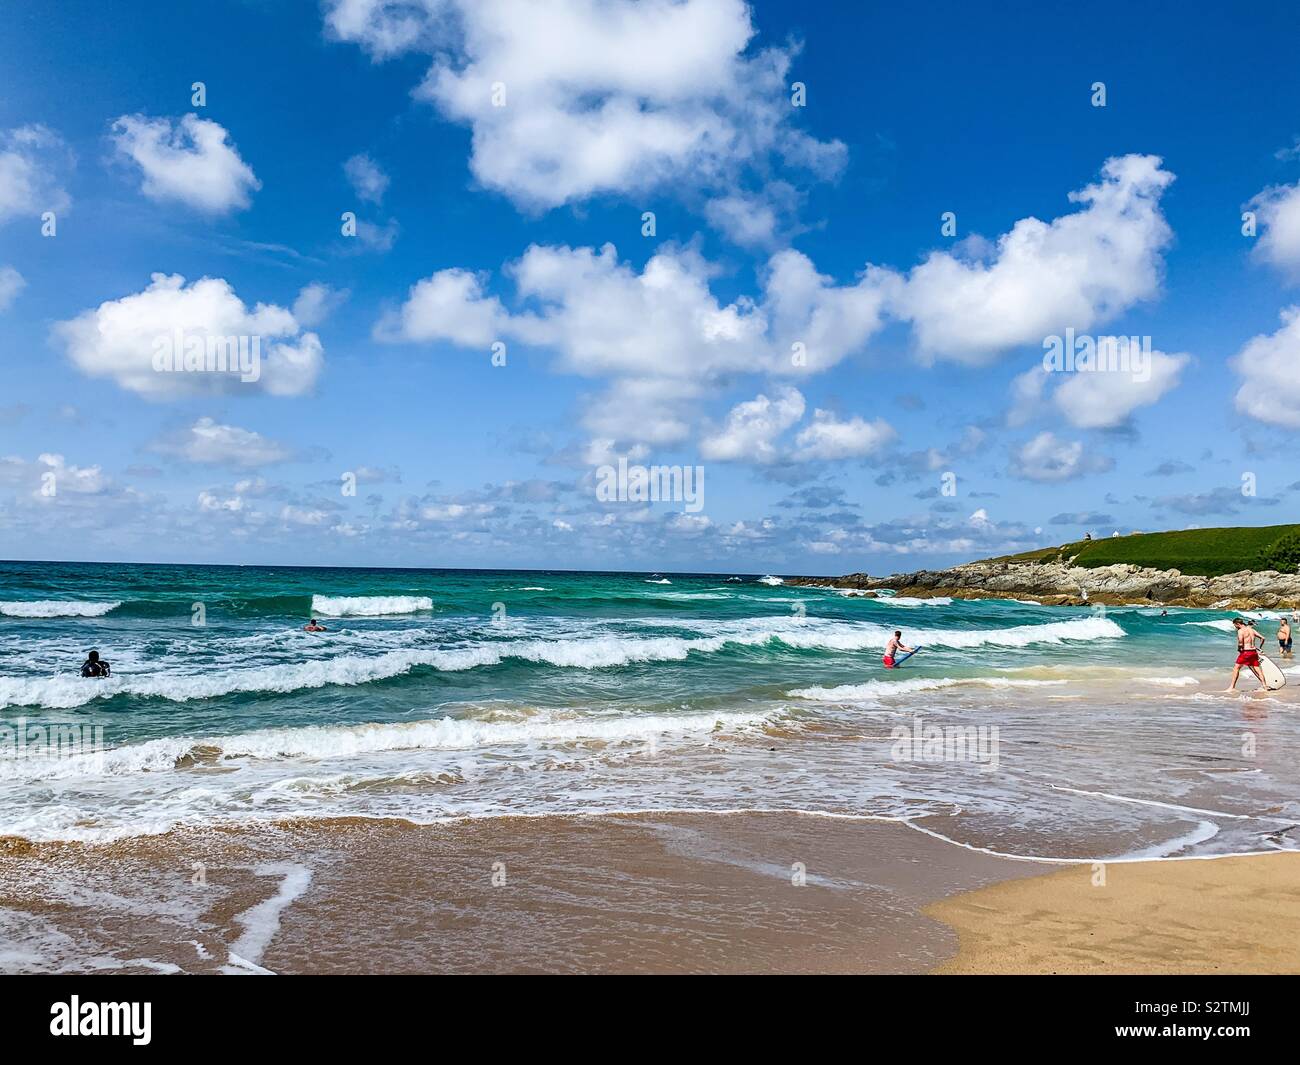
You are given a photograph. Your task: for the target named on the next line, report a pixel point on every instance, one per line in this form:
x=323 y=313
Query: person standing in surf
x=94 y=666
x=892 y=648
x=1247 y=653
x=1284 y=638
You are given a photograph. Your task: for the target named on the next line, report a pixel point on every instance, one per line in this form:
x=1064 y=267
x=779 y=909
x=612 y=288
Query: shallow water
x=453 y=694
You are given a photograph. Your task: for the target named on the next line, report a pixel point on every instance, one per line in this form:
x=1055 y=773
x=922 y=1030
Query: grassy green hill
x=1200 y=552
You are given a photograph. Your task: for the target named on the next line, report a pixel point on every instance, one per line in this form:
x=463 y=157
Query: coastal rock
x=1060 y=584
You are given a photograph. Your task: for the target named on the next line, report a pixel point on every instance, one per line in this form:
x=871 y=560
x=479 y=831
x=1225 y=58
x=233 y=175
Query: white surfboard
x=1273 y=676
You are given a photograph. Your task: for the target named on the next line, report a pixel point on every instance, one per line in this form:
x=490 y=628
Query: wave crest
x=55 y=608
x=368 y=606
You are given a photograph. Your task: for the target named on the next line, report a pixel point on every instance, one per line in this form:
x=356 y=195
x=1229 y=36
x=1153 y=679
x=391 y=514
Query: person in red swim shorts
x=892 y=648
x=1248 y=644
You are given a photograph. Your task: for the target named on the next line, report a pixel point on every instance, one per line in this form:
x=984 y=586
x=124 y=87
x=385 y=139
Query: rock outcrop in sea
x=1058 y=584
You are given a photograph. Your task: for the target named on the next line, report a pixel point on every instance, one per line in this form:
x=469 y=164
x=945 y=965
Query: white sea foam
x=54 y=608
x=600 y=652
x=262 y=922
x=315 y=743
x=1222 y=624
x=662 y=580
x=870 y=636
x=369 y=606
x=874 y=689
x=1170 y=682
x=769 y=579
x=906 y=600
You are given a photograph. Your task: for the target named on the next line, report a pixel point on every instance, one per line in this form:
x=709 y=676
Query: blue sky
x=775 y=225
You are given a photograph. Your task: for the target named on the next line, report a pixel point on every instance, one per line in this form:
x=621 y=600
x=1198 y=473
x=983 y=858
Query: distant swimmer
x=94 y=666
x=892 y=648
x=1164 y=613
x=1247 y=653
x=1284 y=638
x=314 y=626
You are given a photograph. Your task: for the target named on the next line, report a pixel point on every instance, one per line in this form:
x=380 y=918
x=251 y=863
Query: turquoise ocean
x=444 y=694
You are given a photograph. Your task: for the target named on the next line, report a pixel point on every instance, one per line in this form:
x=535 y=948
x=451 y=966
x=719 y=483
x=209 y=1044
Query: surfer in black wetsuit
x=94 y=666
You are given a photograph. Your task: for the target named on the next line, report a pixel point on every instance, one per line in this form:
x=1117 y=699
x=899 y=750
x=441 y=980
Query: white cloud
x=754 y=219
x=827 y=438
x=750 y=431
x=51 y=471
x=660 y=408
x=30 y=158
x=1103 y=399
x=368 y=181
x=375 y=237
x=455 y=511
x=210 y=502
x=450 y=305
x=190 y=162
x=11 y=283
x=1278 y=209
x=1078 y=270
x=1048 y=458
x=292 y=515
x=316 y=302
x=1267 y=365
x=118 y=340
x=659 y=333
x=1026 y=396
x=600 y=95
x=209 y=442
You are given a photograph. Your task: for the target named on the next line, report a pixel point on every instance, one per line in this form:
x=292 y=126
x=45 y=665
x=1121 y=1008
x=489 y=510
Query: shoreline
x=638 y=893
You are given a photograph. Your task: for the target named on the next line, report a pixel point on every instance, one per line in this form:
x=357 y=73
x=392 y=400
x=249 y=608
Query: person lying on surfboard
x=892 y=648
x=1248 y=644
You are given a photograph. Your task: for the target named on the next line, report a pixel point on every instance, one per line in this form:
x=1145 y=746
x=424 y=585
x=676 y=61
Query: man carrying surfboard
x=892 y=648
x=1247 y=653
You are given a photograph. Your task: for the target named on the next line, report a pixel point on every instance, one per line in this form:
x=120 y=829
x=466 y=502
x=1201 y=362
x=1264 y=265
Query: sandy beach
x=648 y=893
x=1194 y=916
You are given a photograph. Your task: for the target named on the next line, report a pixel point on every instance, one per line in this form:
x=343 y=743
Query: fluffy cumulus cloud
x=1099 y=398
x=751 y=428
x=368 y=181
x=829 y=438
x=65 y=477
x=31 y=161
x=11 y=283
x=1042 y=277
x=190 y=161
x=659 y=333
x=1270 y=388
x=131 y=342
x=574 y=98
x=1049 y=458
x=209 y=442
x=1104 y=399
x=1278 y=211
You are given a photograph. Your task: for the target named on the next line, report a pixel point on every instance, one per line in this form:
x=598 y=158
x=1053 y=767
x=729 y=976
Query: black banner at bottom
x=145 y=1013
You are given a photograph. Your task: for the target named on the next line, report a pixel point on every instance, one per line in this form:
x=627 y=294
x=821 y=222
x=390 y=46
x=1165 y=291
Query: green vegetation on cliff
x=1197 y=552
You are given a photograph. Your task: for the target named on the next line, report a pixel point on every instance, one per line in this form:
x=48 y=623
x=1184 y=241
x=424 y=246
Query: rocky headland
x=1060 y=584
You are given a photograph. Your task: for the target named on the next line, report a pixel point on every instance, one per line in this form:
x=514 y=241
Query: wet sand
x=645 y=893
x=1221 y=915
x=648 y=893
